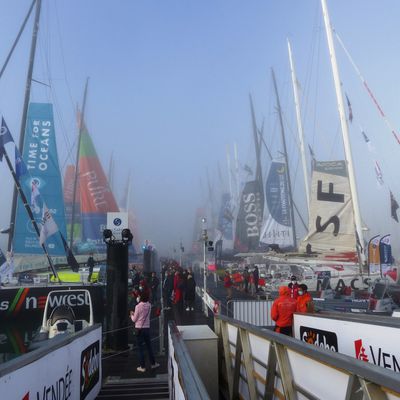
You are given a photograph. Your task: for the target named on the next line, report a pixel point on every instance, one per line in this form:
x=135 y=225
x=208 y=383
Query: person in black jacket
x=168 y=287
x=154 y=283
x=90 y=264
x=256 y=277
x=190 y=293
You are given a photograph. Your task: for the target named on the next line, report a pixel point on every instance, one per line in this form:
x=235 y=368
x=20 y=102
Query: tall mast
x=81 y=125
x=345 y=130
x=24 y=112
x=237 y=177
x=299 y=127
x=228 y=161
x=278 y=103
x=256 y=143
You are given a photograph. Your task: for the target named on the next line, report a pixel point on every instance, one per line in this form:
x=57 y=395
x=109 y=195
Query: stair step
x=135 y=389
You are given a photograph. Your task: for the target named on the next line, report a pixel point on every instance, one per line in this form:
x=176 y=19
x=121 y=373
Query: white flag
x=49 y=226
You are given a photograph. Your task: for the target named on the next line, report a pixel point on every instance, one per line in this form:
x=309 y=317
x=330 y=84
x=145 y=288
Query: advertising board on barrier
x=366 y=341
x=66 y=373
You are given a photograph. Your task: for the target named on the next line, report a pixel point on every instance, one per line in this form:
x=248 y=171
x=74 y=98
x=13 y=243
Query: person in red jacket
x=304 y=300
x=228 y=285
x=282 y=311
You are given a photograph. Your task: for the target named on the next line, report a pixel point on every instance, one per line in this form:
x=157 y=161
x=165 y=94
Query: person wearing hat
x=294 y=287
x=304 y=300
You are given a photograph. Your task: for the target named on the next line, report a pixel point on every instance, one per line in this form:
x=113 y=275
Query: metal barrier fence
x=255 y=312
x=184 y=381
x=261 y=364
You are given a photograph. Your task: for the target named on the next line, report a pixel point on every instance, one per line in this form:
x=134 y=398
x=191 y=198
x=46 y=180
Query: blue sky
x=169 y=85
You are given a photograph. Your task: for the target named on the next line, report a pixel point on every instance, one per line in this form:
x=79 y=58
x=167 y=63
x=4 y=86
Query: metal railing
x=255 y=363
x=184 y=381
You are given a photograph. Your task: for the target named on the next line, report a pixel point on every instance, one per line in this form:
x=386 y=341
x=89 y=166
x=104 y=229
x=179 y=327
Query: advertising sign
x=361 y=338
x=117 y=221
x=69 y=372
x=277 y=227
x=42 y=184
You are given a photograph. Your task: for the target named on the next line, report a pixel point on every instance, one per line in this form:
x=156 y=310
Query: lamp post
x=205 y=238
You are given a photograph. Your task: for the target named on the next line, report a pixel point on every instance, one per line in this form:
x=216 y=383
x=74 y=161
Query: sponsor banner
x=385 y=252
x=43 y=183
x=376 y=344
x=277 y=226
x=331 y=222
x=69 y=372
x=225 y=221
x=29 y=302
x=374 y=255
x=249 y=219
x=117 y=221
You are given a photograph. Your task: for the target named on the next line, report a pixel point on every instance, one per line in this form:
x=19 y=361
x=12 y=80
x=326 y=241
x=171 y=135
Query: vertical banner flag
x=385 y=251
x=277 y=226
x=374 y=254
x=42 y=183
x=249 y=217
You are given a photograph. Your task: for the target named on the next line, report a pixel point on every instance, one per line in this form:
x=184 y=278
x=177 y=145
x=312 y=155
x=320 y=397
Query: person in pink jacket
x=141 y=318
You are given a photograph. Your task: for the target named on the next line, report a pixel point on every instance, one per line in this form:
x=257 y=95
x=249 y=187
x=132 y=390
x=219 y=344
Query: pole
x=205 y=238
x=24 y=113
x=278 y=103
x=81 y=124
x=299 y=126
x=345 y=129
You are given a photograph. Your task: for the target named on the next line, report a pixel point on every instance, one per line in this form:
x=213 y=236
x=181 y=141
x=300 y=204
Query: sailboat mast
x=256 y=142
x=24 y=112
x=228 y=161
x=237 y=177
x=299 y=126
x=278 y=103
x=81 y=122
x=345 y=130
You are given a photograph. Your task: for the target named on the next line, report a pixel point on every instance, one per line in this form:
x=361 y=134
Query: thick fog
x=169 y=96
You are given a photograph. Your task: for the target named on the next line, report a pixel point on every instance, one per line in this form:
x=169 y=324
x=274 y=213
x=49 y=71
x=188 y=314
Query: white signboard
x=376 y=344
x=117 y=221
x=70 y=372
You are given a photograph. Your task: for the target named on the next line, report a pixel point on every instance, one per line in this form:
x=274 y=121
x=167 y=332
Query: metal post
x=161 y=318
x=205 y=238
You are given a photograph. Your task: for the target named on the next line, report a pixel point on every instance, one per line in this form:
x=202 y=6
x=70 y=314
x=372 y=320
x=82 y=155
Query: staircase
x=143 y=389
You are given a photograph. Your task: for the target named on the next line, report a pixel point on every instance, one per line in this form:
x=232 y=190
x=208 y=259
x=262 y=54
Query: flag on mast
x=49 y=226
x=393 y=207
x=20 y=167
x=5 y=137
x=350 y=109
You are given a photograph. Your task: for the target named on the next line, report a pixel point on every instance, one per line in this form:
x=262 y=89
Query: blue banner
x=41 y=184
x=385 y=251
x=225 y=219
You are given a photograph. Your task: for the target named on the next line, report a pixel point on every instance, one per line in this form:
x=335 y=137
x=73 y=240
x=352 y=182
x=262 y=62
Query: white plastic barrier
x=366 y=337
x=68 y=368
x=255 y=312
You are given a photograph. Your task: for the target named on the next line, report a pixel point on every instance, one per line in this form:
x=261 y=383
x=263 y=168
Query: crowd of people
x=178 y=287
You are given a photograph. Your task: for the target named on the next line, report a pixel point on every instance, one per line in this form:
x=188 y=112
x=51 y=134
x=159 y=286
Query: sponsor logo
x=61 y=389
x=117 y=221
x=90 y=368
x=376 y=355
x=317 y=337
